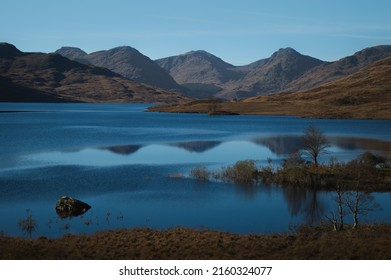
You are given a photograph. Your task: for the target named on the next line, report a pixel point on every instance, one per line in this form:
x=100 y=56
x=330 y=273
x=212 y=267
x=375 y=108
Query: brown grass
x=367 y=242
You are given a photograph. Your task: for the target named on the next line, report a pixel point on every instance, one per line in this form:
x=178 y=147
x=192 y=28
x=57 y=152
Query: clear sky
x=238 y=31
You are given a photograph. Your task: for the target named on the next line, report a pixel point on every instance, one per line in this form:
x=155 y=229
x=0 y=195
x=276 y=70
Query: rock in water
x=67 y=207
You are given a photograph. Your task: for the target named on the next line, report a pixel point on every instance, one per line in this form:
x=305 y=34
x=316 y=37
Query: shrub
x=242 y=172
x=369 y=159
x=28 y=225
x=200 y=173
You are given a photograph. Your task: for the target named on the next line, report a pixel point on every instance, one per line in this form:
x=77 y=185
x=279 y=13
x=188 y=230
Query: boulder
x=67 y=207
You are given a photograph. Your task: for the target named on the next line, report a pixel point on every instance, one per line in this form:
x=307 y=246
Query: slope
x=60 y=78
x=365 y=94
x=126 y=61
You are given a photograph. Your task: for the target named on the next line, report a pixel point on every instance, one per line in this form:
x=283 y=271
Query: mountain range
x=286 y=70
x=364 y=94
x=123 y=74
x=40 y=77
x=200 y=74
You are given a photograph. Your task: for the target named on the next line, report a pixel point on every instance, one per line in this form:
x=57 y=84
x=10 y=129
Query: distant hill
x=286 y=70
x=126 y=61
x=366 y=94
x=73 y=53
x=33 y=77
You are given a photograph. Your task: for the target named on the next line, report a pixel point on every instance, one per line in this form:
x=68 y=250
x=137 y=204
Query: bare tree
x=359 y=204
x=314 y=143
x=336 y=218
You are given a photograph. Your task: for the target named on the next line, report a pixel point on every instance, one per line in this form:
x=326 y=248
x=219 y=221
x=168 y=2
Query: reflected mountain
x=280 y=145
x=350 y=143
x=286 y=144
x=123 y=149
x=197 y=146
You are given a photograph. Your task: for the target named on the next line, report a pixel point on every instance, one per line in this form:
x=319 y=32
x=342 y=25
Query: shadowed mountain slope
x=332 y=71
x=126 y=61
x=32 y=76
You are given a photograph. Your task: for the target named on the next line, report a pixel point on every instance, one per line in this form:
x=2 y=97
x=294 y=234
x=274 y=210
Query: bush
x=369 y=159
x=372 y=171
x=242 y=172
x=200 y=173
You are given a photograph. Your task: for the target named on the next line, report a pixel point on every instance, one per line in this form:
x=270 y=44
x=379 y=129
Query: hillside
x=365 y=94
x=332 y=71
x=198 y=69
x=33 y=77
x=271 y=75
x=285 y=71
x=201 y=72
x=126 y=61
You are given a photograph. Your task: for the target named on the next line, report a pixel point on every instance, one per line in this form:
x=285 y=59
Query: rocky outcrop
x=67 y=207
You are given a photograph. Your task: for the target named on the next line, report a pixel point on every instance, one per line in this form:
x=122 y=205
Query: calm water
x=120 y=160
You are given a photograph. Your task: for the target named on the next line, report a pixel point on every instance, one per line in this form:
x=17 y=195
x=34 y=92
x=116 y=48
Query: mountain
x=285 y=71
x=199 y=67
x=43 y=77
x=200 y=72
x=261 y=77
x=332 y=71
x=126 y=61
x=73 y=53
x=365 y=94
x=271 y=75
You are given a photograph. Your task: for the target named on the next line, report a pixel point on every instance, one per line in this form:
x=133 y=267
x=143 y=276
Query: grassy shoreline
x=270 y=105
x=317 y=243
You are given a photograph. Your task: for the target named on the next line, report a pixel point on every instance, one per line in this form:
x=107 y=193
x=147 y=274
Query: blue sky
x=239 y=32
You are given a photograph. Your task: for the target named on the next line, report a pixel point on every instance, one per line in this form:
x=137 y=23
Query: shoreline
x=267 y=105
x=370 y=242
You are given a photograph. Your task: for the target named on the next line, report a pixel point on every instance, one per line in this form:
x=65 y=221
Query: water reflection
x=351 y=143
x=198 y=146
x=219 y=153
x=280 y=145
x=286 y=144
x=305 y=202
x=123 y=149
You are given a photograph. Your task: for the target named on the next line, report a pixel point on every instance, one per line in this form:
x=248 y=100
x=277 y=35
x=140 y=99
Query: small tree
x=314 y=143
x=359 y=204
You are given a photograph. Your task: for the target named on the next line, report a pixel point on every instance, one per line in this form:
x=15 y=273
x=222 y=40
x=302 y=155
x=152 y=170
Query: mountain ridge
x=203 y=74
x=285 y=70
x=126 y=61
x=200 y=74
x=332 y=71
x=365 y=94
x=53 y=77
